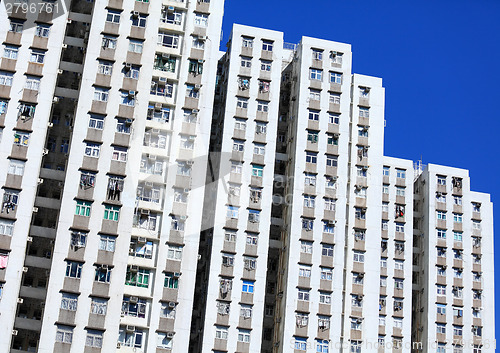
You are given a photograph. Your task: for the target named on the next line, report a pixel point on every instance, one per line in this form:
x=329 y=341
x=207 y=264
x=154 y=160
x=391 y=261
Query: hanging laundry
x=3 y=261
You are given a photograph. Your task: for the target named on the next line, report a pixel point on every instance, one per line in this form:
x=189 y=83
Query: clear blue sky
x=440 y=65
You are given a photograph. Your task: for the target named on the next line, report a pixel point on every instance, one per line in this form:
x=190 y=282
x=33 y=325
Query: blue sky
x=440 y=65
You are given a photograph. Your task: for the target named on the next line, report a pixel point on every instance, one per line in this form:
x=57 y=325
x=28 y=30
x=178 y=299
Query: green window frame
x=83 y=208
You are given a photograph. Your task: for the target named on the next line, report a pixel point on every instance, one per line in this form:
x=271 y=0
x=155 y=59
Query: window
x=102 y=274
x=356 y=323
x=247 y=42
x=232 y=212
x=171 y=17
x=356 y=301
x=311 y=157
x=441 y=233
x=363 y=131
x=441 y=289
x=198 y=43
x=314 y=94
x=32 y=83
x=64 y=334
x=357 y=278
x=300 y=343
x=383 y=262
x=457 y=236
x=42 y=30
x=253 y=216
x=171 y=280
x=325 y=298
x=441 y=328
x=385 y=224
x=16 y=167
x=246 y=61
x=333 y=118
x=132 y=71
x=168 y=40
x=315 y=74
x=355 y=347
x=359 y=256
x=111 y=212
x=83 y=208
x=131 y=338
x=383 y=281
x=174 y=252
x=259 y=149
x=221 y=332
x=398 y=283
x=401 y=173
x=441 y=180
x=6 y=227
x=252 y=238
x=362 y=172
x=305 y=271
x=195 y=67
x=322 y=346
x=168 y=310
x=441 y=215
x=457 y=200
x=314 y=115
x=240 y=124
x=241 y=103
x=317 y=54
x=441 y=348
x=441 y=309
x=134 y=306
x=326 y=273
x=476 y=224
x=243 y=83
x=267 y=45
x=398 y=322
x=266 y=65
x=457 y=217
x=309 y=201
x=37 y=56
x=74 y=269
x=262 y=106
x=309 y=179
x=327 y=250
x=3 y=109
x=6 y=78
x=109 y=42
x=248 y=286
x=400 y=191
x=257 y=170
x=164 y=341
x=381 y=320
x=113 y=16
x=137 y=277
x=306 y=247
x=98 y=306
x=331 y=182
x=331 y=160
x=336 y=77
x=16 y=26
x=364 y=112
x=476 y=207
x=307 y=224
x=201 y=20
x=360 y=213
x=101 y=94
x=329 y=204
x=107 y=242
x=139 y=20
x=303 y=294
x=400 y=227
x=69 y=301
x=127 y=98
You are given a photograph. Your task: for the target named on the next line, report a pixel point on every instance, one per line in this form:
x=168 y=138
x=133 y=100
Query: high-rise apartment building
x=159 y=195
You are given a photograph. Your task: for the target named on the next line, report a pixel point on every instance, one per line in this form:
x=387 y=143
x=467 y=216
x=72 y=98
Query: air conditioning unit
x=186 y=190
x=25 y=269
x=134 y=300
x=171 y=8
x=170 y=334
x=59 y=71
x=192 y=137
x=29 y=239
x=128 y=65
x=165 y=56
x=64 y=46
x=177 y=274
x=202 y=38
x=143 y=211
x=183 y=218
x=197 y=87
x=190 y=162
x=118 y=345
x=171 y=304
x=129 y=121
x=158 y=106
x=162 y=79
x=40 y=181
x=130 y=328
x=148 y=183
x=155 y=131
x=20 y=300
x=134 y=268
x=14 y=332
x=152 y=157
x=141 y=239
x=49 y=125
x=135 y=13
x=131 y=251
x=132 y=93
x=195 y=111
x=45 y=152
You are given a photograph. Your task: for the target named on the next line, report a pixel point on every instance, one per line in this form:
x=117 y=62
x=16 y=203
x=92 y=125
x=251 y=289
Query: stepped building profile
x=162 y=196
